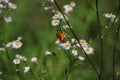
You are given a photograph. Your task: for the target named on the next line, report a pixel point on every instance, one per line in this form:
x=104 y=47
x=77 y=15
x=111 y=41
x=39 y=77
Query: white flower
x=55 y=22
x=12 y=6
x=74 y=46
x=73 y=40
x=68 y=9
x=1 y=6
x=89 y=50
x=73 y=4
x=16 y=61
x=58 y=15
x=24 y=58
x=19 y=38
x=74 y=52
x=8 y=45
x=66 y=45
x=48 y=53
x=106 y=26
x=8 y=19
x=108 y=15
x=34 y=59
x=57 y=42
x=113 y=18
x=21 y=57
x=2 y=49
x=6 y=1
x=17 y=44
x=26 y=69
x=17 y=70
x=0 y=1
x=47 y=8
x=18 y=57
x=78 y=45
x=83 y=43
x=0 y=72
x=81 y=58
x=65 y=27
x=51 y=1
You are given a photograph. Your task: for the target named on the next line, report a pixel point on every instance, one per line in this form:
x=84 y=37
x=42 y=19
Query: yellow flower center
x=59 y=14
x=87 y=49
x=66 y=44
x=17 y=60
x=55 y=21
x=69 y=10
x=17 y=43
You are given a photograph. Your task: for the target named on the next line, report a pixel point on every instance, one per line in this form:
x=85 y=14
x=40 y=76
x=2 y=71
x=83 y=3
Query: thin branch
x=68 y=71
x=3 y=39
x=115 y=45
x=114 y=50
x=89 y=5
x=18 y=72
x=101 y=40
x=67 y=55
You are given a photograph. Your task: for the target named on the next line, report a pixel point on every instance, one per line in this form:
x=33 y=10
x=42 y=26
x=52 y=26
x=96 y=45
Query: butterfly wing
x=58 y=37
x=62 y=36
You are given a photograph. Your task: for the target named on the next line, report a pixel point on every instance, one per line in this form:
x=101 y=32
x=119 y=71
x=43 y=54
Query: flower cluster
x=16 y=44
x=73 y=46
x=58 y=16
x=86 y=47
x=69 y=8
x=5 y=6
x=19 y=58
x=110 y=16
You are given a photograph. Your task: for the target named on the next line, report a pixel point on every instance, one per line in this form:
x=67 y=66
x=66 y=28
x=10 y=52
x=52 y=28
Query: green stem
x=18 y=72
x=89 y=5
x=7 y=53
x=68 y=71
x=101 y=40
x=3 y=39
x=76 y=38
x=114 y=50
x=44 y=68
x=67 y=55
x=31 y=71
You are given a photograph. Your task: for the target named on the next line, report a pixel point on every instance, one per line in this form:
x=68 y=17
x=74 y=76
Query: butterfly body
x=61 y=36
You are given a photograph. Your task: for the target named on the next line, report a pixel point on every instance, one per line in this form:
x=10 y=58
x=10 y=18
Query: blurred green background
x=33 y=24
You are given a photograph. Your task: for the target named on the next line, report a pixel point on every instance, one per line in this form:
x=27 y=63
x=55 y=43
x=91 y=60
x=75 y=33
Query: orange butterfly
x=61 y=36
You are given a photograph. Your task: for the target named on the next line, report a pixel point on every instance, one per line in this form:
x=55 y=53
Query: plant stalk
x=114 y=50
x=101 y=40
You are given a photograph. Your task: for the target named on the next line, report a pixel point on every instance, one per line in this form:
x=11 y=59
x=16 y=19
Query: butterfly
x=61 y=36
